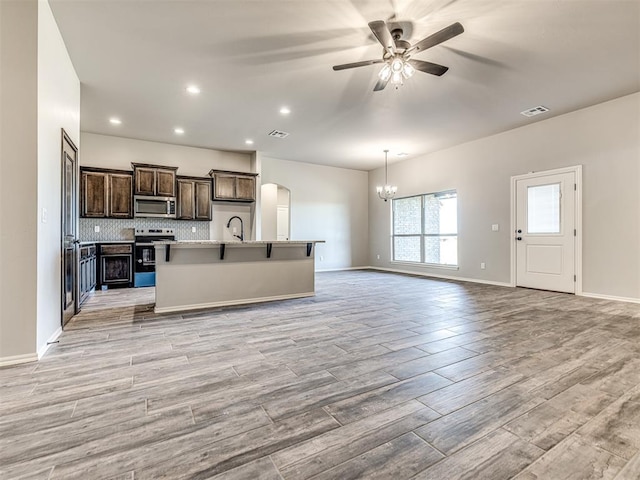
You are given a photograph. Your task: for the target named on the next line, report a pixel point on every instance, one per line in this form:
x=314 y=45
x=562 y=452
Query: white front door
x=545 y=233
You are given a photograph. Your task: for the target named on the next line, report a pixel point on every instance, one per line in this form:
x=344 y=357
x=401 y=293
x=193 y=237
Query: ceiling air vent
x=531 y=112
x=278 y=134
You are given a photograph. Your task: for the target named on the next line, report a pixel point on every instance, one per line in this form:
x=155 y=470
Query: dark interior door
x=70 y=290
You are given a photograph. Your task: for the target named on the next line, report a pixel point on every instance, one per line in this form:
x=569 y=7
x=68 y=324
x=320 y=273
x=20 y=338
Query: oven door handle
x=144 y=244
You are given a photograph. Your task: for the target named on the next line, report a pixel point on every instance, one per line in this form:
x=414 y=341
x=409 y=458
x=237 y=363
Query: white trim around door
x=577 y=220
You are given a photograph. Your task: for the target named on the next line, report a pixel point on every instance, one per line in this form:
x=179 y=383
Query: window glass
x=441 y=250
x=425 y=229
x=407 y=216
x=406 y=249
x=543 y=209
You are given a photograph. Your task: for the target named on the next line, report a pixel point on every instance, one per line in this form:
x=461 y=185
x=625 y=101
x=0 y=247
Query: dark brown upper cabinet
x=105 y=193
x=194 y=198
x=233 y=186
x=154 y=180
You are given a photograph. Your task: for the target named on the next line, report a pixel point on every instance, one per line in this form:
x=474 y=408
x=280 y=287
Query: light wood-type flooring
x=379 y=376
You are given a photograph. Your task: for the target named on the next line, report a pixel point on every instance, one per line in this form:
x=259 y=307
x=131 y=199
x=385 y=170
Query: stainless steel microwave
x=144 y=206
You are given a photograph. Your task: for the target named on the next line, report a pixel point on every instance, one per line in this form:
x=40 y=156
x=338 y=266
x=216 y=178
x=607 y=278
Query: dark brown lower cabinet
x=115 y=265
x=87 y=271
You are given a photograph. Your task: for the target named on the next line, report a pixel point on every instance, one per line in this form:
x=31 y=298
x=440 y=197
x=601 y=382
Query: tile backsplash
x=122 y=228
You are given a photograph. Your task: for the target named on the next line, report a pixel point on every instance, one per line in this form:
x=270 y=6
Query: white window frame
x=422 y=234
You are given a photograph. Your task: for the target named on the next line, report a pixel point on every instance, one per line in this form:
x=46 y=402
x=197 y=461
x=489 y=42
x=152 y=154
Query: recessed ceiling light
x=248 y=141
x=178 y=131
x=193 y=89
x=285 y=111
x=115 y=121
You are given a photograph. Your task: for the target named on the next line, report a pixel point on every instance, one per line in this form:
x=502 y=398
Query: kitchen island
x=202 y=274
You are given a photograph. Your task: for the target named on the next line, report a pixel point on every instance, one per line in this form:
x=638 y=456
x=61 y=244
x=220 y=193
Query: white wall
x=18 y=180
x=327 y=203
x=605 y=139
x=269 y=210
x=107 y=151
x=58 y=107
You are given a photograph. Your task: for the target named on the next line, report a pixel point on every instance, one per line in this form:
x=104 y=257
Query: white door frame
x=577 y=169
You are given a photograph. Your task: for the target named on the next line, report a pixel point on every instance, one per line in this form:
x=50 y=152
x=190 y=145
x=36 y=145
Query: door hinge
x=575 y=187
x=575 y=232
x=575 y=278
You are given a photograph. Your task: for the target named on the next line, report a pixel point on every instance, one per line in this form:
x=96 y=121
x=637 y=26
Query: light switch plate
x=193 y=229
x=495 y=227
x=96 y=228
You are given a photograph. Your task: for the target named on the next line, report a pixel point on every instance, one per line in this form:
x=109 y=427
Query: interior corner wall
x=58 y=108
x=18 y=180
x=604 y=139
x=327 y=203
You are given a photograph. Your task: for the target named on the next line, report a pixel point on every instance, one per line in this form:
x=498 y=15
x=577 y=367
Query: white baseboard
x=445 y=277
x=342 y=269
x=229 y=303
x=17 y=359
x=43 y=349
x=610 y=297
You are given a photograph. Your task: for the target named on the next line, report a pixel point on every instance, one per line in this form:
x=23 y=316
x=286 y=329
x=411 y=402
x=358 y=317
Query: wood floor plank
x=498 y=456
x=401 y=458
x=512 y=381
x=377 y=400
x=337 y=446
x=571 y=459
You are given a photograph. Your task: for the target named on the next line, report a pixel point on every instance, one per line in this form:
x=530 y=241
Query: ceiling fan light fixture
x=385 y=73
x=408 y=70
x=396 y=78
x=397 y=65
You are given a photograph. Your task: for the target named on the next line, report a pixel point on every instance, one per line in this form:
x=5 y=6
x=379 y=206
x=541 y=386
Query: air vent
x=278 y=134
x=535 y=111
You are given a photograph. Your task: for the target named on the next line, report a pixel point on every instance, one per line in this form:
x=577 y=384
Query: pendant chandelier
x=387 y=191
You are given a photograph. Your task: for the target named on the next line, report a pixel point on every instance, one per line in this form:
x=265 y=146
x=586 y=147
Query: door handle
x=518 y=238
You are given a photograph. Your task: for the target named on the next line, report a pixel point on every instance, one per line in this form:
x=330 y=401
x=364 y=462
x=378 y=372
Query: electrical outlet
x=483 y=266
x=96 y=228
x=45 y=215
x=321 y=258
x=495 y=227
x=193 y=229
x=378 y=257
x=234 y=230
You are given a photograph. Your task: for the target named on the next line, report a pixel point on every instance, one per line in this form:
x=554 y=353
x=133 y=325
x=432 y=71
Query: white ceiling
x=250 y=57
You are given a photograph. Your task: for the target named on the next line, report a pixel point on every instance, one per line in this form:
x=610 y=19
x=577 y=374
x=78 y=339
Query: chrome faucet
x=241 y=236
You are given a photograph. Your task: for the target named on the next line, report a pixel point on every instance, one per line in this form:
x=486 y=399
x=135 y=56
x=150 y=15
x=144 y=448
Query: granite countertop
x=235 y=242
x=92 y=242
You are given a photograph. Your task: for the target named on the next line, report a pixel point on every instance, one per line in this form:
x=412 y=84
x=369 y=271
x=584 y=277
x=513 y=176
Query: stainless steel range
x=145 y=254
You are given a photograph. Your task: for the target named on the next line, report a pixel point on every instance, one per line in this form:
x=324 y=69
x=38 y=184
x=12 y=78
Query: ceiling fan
x=396 y=54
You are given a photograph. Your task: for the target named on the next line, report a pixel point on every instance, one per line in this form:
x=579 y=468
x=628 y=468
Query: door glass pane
x=406 y=249
x=543 y=209
x=441 y=250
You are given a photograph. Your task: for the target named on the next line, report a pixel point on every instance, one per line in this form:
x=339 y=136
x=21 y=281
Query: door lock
x=518 y=238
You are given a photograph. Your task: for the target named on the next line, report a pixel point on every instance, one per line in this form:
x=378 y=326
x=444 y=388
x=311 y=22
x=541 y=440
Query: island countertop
x=234 y=242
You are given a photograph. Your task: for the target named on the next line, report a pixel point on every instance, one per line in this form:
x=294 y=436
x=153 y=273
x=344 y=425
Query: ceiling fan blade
x=364 y=63
x=382 y=33
x=380 y=84
x=428 y=67
x=438 y=37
